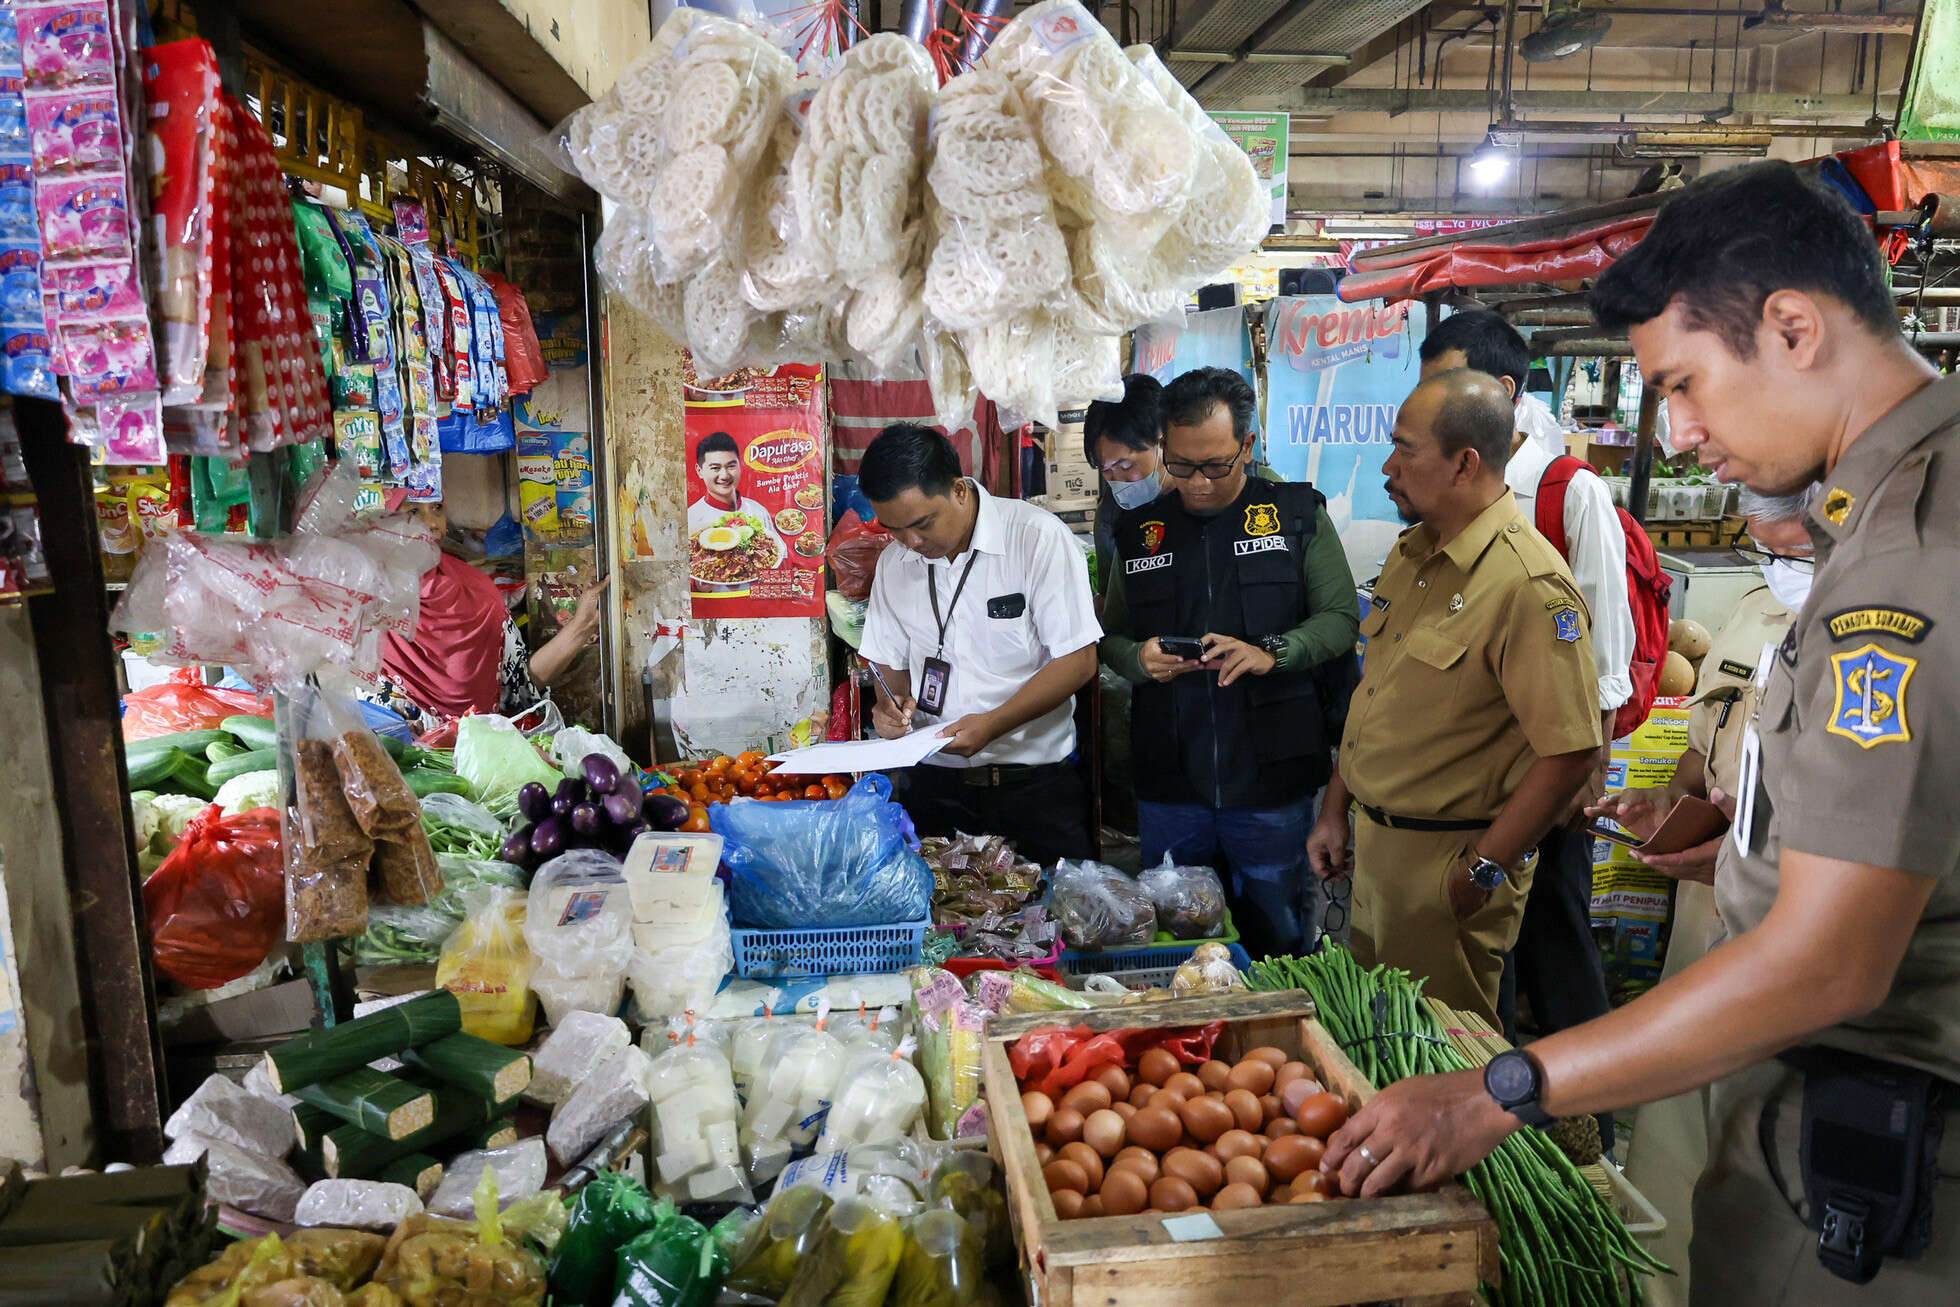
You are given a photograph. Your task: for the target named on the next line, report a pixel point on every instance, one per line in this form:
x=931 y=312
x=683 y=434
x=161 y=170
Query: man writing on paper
x=982 y=623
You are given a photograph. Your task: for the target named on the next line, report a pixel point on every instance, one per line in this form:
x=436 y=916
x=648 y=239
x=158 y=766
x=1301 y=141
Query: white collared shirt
x=1535 y=418
x=1596 y=551
x=1026 y=567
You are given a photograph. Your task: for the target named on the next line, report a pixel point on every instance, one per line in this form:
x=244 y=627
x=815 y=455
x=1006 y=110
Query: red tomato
x=815 y=792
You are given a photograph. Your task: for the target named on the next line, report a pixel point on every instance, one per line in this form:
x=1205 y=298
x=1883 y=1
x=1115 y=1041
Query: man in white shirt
x=1556 y=961
x=981 y=618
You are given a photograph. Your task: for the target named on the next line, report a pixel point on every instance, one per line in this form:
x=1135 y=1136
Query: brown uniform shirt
x=1726 y=697
x=1862 y=711
x=1478 y=664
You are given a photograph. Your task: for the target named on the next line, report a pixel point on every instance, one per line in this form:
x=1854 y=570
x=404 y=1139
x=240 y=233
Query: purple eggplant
x=588 y=819
x=623 y=836
x=534 y=801
x=600 y=773
x=623 y=805
x=547 y=839
x=664 y=811
x=517 y=849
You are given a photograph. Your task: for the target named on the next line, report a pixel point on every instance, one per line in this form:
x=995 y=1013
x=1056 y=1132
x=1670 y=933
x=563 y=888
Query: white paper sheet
x=863 y=755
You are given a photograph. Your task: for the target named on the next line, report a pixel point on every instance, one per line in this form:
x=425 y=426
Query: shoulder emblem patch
x=1262 y=519
x=1565 y=624
x=1871 y=695
x=1901 y=623
x=1153 y=536
x=1837 y=506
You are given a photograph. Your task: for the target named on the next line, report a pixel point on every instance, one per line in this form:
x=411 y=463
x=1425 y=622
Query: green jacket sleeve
x=1336 y=619
x=1118 y=651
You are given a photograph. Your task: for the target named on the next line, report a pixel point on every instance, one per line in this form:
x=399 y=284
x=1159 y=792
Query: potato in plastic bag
x=1209 y=970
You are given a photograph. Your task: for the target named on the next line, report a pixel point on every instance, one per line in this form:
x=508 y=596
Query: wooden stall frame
x=1429 y=1248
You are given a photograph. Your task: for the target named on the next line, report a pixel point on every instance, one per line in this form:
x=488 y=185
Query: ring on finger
x=1369 y=1156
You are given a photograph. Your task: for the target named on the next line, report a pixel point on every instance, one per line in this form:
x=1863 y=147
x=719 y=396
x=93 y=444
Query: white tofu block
x=720 y=1138
x=615 y=1090
x=683 y=1113
x=356 y=1204
x=722 y=1182
x=575 y=1048
x=683 y=1158
x=668 y=1076
x=221 y=1110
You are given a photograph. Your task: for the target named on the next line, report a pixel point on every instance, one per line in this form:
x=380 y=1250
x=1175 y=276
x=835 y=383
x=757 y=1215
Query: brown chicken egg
x=1140 y=1160
x=1183 y=1082
x=1234 y=1196
x=1270 y=1107
x=1245 y=1109
x=1290 y=1155
x=1091 y=1206
x=1248 y=1170
x=1156 y=1128
x=1116 y=1080
x=1124 y=1110
x=1290 y=1072
x=1213 y=1074
x=1271 y=1056
x=1201 y=1171
x=1156 y=1066
x=1319 y=1181
x=1064 y=1127
x=1088 y=1159
x=1296 y=1093
x=1168 y=1099
x=1238 y=1143
x=1303 y=1195
x=1141 y=1092
x=1087 y=1097
x=1281 y=1126
x=1037 y=1107
x=1251 y=1075
x=1044 y=1153
x=1068 y=1203
x=1170 y=1194
x=1064 y=1174
x=1206 y=1118
x=1322 y=1115
x=1124 y=1192
x=1104 y=1132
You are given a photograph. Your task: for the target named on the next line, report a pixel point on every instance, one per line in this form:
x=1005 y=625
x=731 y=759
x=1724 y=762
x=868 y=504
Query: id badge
x=1749 y=772
x=932 y=686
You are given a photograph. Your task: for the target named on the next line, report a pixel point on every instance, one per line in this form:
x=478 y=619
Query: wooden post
x=1643 y=453
x=80 y=694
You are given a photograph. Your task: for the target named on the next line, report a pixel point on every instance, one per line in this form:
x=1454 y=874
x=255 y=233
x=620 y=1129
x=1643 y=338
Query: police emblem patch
x=1871 y=695
x=1153 y=536
x=1565 y=622
x=1262 y=519
x=1837 y=506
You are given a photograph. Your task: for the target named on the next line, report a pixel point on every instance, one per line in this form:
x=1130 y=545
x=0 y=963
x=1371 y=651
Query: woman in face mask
x=1125 y=440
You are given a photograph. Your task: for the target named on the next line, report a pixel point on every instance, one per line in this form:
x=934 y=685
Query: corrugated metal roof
x=1238 y=82
x=1228 y=23
x=1336 y=26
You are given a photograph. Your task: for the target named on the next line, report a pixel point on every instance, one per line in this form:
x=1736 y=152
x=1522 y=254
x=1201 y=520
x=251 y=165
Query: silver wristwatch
x=1486 y=875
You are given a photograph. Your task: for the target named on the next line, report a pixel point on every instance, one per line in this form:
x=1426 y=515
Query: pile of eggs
x=1163 y=1139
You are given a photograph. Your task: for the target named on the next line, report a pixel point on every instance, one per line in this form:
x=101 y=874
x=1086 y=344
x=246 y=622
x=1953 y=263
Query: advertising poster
x=1215 y=338
x=1335 y=375
x=1263 y=136
x=755 y=494
x=554 y=441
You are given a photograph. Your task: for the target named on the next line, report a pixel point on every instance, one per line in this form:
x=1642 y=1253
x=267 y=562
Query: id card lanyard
x=932 y=688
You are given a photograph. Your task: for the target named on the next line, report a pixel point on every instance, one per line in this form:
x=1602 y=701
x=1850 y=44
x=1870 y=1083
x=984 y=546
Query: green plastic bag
x=674 y=1264
x=608 y=1214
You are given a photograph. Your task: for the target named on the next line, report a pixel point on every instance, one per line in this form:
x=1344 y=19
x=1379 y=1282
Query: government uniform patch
x=1871 y=695
x=1262 y=519
x=1565 y=623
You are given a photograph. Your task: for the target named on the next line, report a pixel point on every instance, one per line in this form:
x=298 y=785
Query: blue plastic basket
x=1157 y=957
x=840 y=951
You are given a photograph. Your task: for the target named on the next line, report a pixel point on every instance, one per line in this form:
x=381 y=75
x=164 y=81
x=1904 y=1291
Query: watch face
x=1510 y=1078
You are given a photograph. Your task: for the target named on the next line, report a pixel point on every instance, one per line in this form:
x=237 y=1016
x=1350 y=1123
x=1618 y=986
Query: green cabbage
x=497 y=761
x=249 y=790
x=174 y=813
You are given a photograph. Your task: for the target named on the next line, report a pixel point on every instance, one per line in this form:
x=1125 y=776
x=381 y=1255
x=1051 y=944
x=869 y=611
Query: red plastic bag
x=523 y=356
x=177 y=706
x=853 y=555
x=1064 y=1057
x=216 y=906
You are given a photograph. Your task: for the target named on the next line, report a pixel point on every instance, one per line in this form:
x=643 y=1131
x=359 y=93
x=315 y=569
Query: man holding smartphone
x=1224 y=600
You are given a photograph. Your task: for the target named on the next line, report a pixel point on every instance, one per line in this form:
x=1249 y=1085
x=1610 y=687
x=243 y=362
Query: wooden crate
x=1416 y=1248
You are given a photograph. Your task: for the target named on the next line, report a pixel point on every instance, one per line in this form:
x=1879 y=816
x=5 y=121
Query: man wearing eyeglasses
x=1226 y=597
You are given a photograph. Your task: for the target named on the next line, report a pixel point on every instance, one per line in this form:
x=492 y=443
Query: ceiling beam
x=1257 y=57
x=1391 y=100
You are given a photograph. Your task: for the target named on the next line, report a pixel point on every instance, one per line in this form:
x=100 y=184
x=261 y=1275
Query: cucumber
x=396 y=748
x=150 y=764
x=257 y=760
x=253 y=732
x=193 y=742
x=427 y=781
x=223 y=749
x=188 y=776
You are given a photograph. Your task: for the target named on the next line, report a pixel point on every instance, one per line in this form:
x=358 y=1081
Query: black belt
x=1004 y=773
x=1394 y=822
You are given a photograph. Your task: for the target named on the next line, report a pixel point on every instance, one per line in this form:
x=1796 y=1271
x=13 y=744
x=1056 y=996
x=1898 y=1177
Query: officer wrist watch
x=1516 y=1081
x=1276 y=646
x=1485 y=873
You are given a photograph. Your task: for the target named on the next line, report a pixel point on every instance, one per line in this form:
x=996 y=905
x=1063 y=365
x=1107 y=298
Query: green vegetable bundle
x=1559 y=1243
x=405 y=934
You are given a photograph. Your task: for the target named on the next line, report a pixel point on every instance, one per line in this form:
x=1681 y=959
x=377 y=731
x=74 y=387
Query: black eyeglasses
x=1212 y=471
x=1760 y=556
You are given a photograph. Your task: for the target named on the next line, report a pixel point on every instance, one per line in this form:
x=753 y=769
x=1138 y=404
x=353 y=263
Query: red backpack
x=1647 y=588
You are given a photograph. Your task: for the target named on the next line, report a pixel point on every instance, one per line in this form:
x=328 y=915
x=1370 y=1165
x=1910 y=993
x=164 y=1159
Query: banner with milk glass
x=1335 y=375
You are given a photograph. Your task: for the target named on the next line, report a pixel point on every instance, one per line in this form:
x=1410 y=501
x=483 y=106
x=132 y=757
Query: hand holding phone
x=1182 y=646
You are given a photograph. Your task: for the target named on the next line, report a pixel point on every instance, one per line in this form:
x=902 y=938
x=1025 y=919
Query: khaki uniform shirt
x=1726 y=697
x=1478 y=664
x=1862 y=711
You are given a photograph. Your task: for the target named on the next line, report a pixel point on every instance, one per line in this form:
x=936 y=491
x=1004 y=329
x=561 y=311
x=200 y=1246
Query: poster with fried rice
x=755 y=491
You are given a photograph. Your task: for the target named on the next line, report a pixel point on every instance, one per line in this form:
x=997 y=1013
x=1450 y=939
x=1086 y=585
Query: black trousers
x=1556 y=963
x=1043 y=809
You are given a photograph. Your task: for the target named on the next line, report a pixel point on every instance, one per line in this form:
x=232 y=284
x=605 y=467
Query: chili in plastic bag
x=215 y=904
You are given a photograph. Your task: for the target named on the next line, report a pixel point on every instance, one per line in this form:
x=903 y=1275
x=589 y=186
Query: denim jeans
x=1260 y=853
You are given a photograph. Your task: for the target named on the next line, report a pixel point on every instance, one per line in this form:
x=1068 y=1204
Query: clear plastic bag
x=1209 y=970
x=356 y=1204
x=459 y=828
x=671 y=977
x=616 y=1089
x=488 y=966
x=579 y=927
x=844 y=862
x=1098 y=907
x=1190 y=901
x=791 y=1095
x=384 y=807
x=519 y=1169
x=570 y=747
x=774 y=1246
x=891 y=1175
x=877 y=1099
x=853 y=1262
x=949 y=1027
x=327 y=852
x=749 y=1044
x=942 y=1263
x=413 y=934
x=695 y=1114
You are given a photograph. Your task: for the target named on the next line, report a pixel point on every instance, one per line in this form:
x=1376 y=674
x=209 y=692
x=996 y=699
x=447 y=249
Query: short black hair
x=1489 y=344
x=719 y=442
x=1724 y=244
x=904 y=456
x=1135 y=422
x=1189 y=399
x=1470 y=416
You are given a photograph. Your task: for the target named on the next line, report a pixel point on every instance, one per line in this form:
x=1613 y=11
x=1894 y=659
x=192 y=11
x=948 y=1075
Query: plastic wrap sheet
x=356 y=1204
x=575 y=1048
x=220 y=1110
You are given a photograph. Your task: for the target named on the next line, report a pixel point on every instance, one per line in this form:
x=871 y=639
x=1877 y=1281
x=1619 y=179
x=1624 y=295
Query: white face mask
x=1135 y=494
x=1788 y=582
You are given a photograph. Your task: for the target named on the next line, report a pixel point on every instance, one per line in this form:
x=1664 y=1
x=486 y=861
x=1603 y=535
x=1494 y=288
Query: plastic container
x=840 y=951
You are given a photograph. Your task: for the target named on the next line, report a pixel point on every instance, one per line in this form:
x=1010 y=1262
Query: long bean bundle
x=1559 y=1243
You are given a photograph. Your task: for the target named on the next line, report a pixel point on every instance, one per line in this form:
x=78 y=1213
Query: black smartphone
x=1181 y=646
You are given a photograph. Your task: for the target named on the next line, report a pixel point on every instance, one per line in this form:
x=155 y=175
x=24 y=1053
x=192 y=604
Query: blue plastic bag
x=813 y=864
